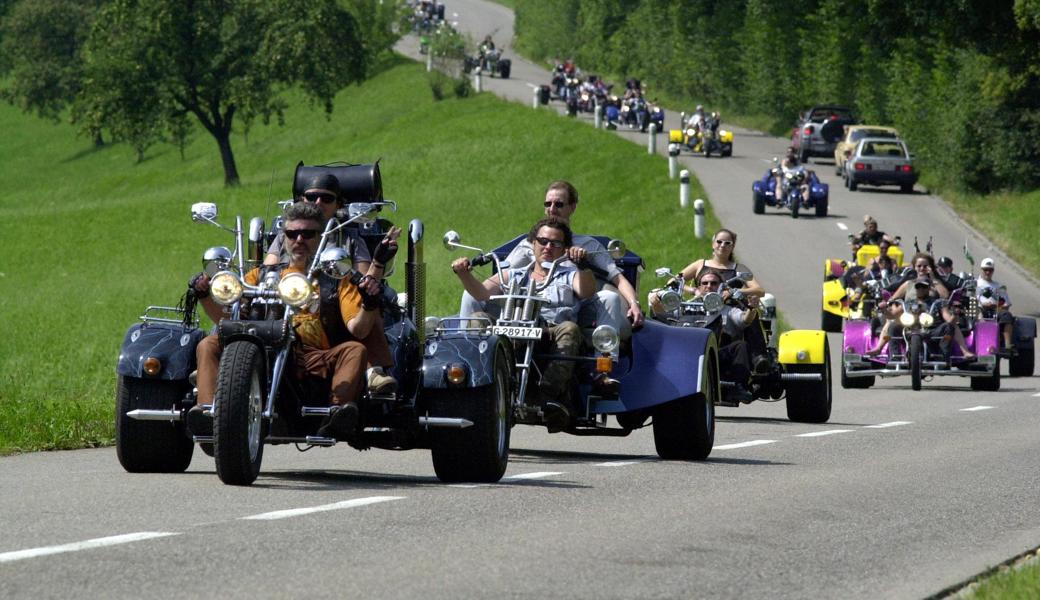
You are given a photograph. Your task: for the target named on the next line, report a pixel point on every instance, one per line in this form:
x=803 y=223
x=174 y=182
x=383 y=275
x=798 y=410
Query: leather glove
x=385 y=251
x=200 y=280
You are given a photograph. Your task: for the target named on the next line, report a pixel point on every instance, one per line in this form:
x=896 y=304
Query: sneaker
x=341 y=423
x=199 y=423
x=379 y=382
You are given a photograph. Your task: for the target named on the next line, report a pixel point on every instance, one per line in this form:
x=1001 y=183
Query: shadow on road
x=359 y=480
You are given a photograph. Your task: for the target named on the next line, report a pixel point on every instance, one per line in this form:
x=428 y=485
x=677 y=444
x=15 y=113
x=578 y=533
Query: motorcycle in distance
x=837 y=306
x=763 y=191
x=257 y=402
x=795 y=365
x=635 y=113
x=669 y=374
x=693 y=136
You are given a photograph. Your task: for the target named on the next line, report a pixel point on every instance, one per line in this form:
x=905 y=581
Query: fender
x=173 y=344
x=985 y=337
x=476 y=352
x=675 y=136
x=667 y=363
x=802 y=347
x=857 y=337
x=835 y=300
x=1024 y=332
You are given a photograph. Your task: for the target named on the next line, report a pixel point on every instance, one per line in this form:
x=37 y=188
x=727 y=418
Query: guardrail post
x=698 y=218
x=684 y=188
x=536 y=101
x=477 y=81
x=598 y=120
x=673 y=160
x=651 y=144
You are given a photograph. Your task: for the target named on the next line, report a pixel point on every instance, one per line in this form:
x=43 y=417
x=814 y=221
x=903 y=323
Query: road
x=900 y=495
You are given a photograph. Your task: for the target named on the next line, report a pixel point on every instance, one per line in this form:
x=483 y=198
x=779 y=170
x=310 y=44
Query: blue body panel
x=1024 y=332
x=173 y=344
x=476 y=351
x=667 y=364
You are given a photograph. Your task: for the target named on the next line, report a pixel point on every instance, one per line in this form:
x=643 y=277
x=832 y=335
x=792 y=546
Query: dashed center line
x=535 y=475
x=744 y=444
x=296 y=512
x=822 y=433
x=1036 y=395
x=976 y=408
x=620 y=463
x=884 y=425
x=843 y=226
x=84 y=545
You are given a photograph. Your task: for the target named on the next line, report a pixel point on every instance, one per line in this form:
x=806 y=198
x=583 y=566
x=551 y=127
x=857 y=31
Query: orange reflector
x=152 y=366
x=456 y=374
x=604 y=364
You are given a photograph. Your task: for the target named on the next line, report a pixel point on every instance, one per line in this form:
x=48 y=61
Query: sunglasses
x=710 y=282
x=551 y=243
x=556 y=204
x=319 y=197
x=307 y=234
x=988 y=269
x=723 y=243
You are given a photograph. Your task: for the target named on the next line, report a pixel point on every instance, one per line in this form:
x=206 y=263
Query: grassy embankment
x=90 y=238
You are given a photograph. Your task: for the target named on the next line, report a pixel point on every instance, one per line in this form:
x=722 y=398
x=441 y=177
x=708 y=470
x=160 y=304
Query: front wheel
x=684 y=429
x=480 y=452
x=915 y=355
x=238 y=444
x=150 y=446
x=796 y=204
x=758 y=202
x=852 y=184
x=810 y=401
x=990 y=383
x=855 y=383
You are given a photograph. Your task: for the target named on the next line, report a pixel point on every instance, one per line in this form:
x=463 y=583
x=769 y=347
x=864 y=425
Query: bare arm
x=481 y=291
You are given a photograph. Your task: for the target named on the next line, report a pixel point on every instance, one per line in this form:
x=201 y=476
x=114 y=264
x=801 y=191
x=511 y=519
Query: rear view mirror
x=617 y=249
x=203 y=212
x=663 y=272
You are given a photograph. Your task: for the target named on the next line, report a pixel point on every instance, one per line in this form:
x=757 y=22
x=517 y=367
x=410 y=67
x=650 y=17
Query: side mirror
x=215 y=260
x=745 y=276
x=203 y=212
x=256 y=239
x=451 y=239
x=361 y=211
x=663 y=272
x=617 y=249
x=335 y=262
x=776 y=160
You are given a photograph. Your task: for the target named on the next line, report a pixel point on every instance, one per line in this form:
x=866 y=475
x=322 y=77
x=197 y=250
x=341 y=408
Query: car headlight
x=225 y=288
x=926 y=320
x=605 y=339
x=907 y=319
x=295 y=290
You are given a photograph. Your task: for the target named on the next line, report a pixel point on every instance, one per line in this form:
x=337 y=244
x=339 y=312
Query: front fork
x=276 y=379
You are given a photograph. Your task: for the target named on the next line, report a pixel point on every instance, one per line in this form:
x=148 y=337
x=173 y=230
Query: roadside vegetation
x=91 y=238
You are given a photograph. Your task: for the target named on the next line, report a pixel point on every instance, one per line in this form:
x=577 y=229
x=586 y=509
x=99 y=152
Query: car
x=853 y=134
x=880 y=161
x=819 y=129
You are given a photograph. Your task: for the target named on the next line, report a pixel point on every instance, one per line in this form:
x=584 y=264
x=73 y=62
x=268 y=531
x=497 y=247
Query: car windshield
x=821 y=114
x=893 y=149
x=859 y=134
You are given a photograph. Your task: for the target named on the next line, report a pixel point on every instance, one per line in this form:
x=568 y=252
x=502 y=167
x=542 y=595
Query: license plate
x=522 y=333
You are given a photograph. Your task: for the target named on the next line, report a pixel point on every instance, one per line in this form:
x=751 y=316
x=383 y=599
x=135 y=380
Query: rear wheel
x=1022 y=365
x=821 y=207
x=852 y=185
x=684 y=429
x=915 y=355
x=830 y=322
x=796 y=204
x=479 y=452
x=150 y=446
x=989 y=383
x=238 y=425
x=810 y=401
x=758 y=202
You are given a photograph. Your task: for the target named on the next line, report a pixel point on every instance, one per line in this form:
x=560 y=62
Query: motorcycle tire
x=855 y=383
x=150 y=446
x=990 y=383
x=811 y=401
x=238 y=425
x=795 y=206
x=758 y=205
x=916 y=355
x=1023 y=364
x=852 y=184
x=505 y=66
x=830 y=322
x=821 y=207
x=684 y=429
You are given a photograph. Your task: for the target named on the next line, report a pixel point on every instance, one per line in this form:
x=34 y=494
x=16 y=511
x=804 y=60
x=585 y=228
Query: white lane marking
x=620 y=463
x=843 y=226
x=531 y=85
x=535 y=475
x=85 y=545
x=466 y=485
x=976 y=408
x=744 y=444
x=295 y=512
x=1036 y=395
x=884 y=425
x=822 y=433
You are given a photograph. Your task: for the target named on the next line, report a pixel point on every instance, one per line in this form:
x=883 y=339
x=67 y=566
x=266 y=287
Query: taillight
x=808 y=131
x=906 y=168
x=861 y=166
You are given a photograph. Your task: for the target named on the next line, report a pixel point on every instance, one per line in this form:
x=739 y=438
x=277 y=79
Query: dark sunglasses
x=557 y=204
x=547 y=242
x=307 y=234
x=710 y=282
x=319 y=197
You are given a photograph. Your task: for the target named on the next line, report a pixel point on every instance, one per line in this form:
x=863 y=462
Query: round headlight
x=605 y=339
x=926 y=320
x=225 y=288
x=430 y=326
x=669 y=299
x=907 y=319
x=712 y=302
x=295 y=290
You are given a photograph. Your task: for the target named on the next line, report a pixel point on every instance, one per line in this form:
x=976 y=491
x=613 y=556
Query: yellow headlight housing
x=225 y=288
x=295 y=290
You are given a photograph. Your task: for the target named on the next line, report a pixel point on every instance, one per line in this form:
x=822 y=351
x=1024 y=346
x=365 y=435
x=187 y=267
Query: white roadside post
x=477 y=81
x=598 y=120
x=673 y=160
x=684 y=188
x=429 y=60
x=682 y=120
x=698 y=218
x=536 y=101
x=651 y=144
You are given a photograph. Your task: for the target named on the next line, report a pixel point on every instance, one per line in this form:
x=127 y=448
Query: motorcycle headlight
x=295 y=290
x=669 y=299
x=225 y=288
x=712 y=302
x=907 y=319
x=926 y=320
x=605 y=339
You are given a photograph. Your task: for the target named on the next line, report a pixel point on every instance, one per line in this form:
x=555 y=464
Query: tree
x=151 y=63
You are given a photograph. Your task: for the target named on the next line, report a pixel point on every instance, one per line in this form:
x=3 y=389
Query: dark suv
x=820 y=129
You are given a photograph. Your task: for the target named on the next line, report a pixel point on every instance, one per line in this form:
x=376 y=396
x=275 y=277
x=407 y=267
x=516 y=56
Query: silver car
x=880 y=161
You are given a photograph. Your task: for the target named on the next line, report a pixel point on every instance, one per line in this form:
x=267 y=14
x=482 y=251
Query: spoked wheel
x=150 y=446
x=684 y=429
x=916 y=355
x=238 y=426
x=479 y=452
x=810 y=401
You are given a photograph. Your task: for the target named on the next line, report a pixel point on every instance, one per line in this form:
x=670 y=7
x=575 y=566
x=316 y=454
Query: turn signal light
x=152 y=366
x=604 y=364
x=456 y=374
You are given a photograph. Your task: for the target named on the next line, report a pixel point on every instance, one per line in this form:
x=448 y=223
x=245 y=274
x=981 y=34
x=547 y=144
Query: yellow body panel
x=675 y=136
x=807 y=343
x=833 y=292
x=869 y=252
x=725 y=136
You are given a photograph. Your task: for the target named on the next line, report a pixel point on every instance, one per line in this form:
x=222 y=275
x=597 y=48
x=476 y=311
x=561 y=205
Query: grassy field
x=90 y=238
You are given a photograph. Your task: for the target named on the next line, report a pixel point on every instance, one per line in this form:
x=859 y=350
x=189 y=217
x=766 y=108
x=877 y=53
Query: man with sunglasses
x=734 y=352
x=551 y=239
x=329 y=333
x=994 y=300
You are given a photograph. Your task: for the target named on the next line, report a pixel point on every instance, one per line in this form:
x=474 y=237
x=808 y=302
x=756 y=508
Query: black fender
x=1024 y=332
x=172 y=343
x=477 y=352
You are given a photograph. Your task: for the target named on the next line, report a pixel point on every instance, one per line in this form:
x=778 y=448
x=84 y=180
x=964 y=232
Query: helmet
x=700 y=108
x=945 y=262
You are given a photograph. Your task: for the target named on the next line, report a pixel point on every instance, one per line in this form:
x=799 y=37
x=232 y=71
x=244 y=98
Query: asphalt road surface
x=900 y=495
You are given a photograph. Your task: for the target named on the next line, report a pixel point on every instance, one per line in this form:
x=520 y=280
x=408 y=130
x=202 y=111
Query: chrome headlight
x=907 y=319
x=295 y=290
x=605 y=339
x=669 y=299
x=712 y=302
x=225 y=288
x=926 y=320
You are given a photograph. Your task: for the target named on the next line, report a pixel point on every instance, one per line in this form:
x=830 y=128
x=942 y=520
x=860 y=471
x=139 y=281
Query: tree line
x=152 y=71
x=959 y=78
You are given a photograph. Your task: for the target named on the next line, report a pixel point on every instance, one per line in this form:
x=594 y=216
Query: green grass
x=90 y=238
x=1008 y=220
x=1008 y=582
